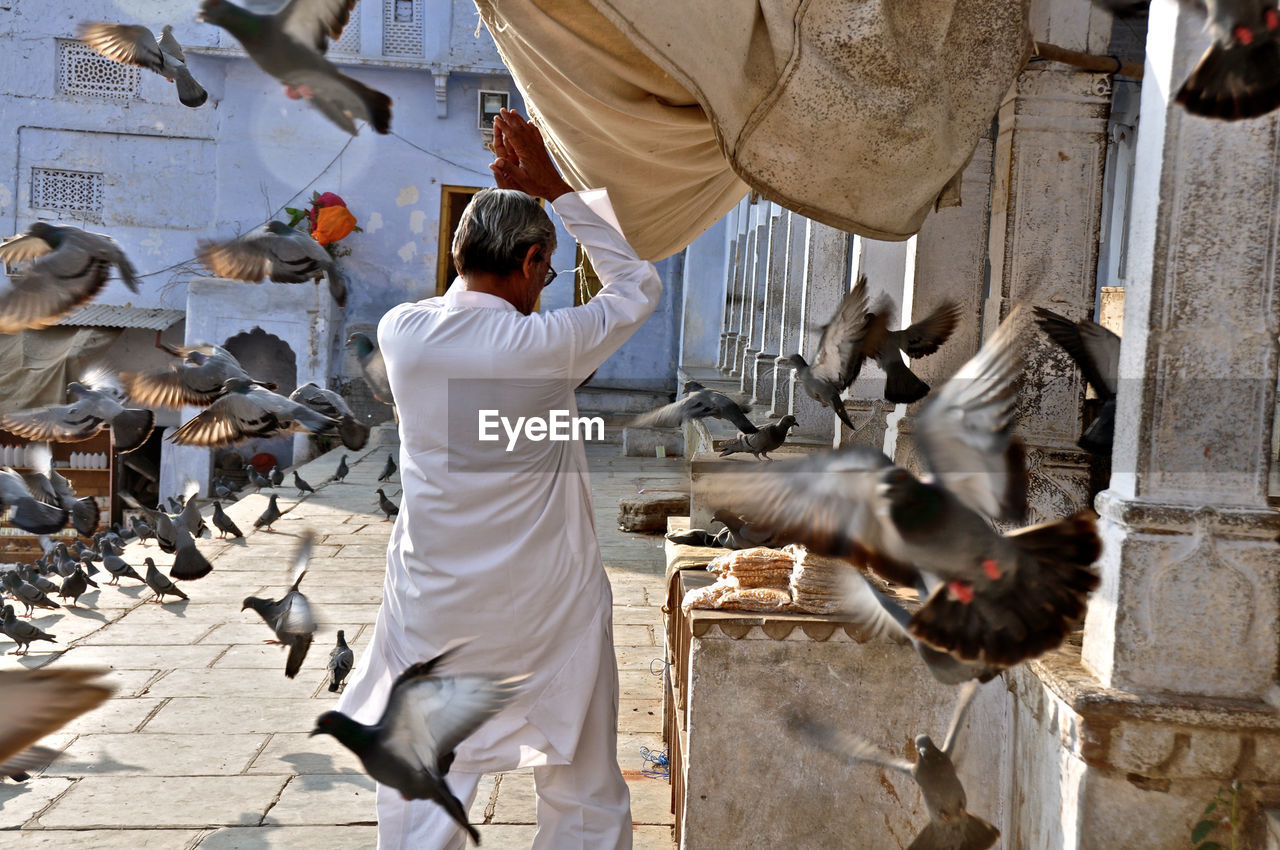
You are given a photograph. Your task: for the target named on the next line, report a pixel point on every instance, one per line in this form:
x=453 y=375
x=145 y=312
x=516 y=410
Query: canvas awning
x=856 y=113
x=35 y=366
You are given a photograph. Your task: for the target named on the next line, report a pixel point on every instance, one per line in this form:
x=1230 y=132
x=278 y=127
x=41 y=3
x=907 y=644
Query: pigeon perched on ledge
x=767 y=439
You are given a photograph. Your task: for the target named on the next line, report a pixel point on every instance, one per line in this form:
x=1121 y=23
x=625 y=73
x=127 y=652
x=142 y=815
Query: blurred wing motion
x=36 y=703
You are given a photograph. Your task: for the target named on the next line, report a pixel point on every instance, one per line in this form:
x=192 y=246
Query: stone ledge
x=1249 y=522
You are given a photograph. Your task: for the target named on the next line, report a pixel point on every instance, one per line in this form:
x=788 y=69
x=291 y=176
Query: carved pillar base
x=872 y=418
x=747 y=371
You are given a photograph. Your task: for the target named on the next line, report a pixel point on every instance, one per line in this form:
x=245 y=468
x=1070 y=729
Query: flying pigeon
x=188 y=562
x=223 y=522
x=160 y=583
x=119 y=568
x=21 y=633
x=276 y=476
x=302 y=485
x=995 y=599
x=82 y=513
x=75 y=585
x=257 y=479
x=197 y=379
x=698 y=403
x=189 y=517
x=342 y=471
x=372 y=367
x=269 y=516
x=428 y=714
x=290 y=616
x=388 y=469
x=29 y=595
x=355 y=434
x=136 y=45
x=341 y=660
x=951 y=826
x=68 y=267
x=276 y=251
x=920 y=339
x=30 y=515
x=1096 y=351
x=389 y=507
x=767 y=439
x=36 y=703
x=245 y=411
x=290 y=44
x=853 y=334
x=97 y=403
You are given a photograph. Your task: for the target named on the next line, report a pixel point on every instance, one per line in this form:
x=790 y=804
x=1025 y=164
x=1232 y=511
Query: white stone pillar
x=757 y=289
x=791 y=336
x=770 y=347
x=703 y=311
x=826 y=280
x=733 y=289
x=1190 y=598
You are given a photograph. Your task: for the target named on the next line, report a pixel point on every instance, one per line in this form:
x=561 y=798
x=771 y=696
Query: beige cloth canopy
x=856 y=113
x=35 y=366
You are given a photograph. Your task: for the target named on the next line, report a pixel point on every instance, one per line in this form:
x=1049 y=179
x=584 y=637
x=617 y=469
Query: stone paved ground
x=205 y=742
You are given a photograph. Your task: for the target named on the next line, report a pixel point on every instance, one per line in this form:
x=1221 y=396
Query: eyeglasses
x=551 y=274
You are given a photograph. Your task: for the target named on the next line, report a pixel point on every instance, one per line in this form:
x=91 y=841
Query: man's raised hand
x=522 y=159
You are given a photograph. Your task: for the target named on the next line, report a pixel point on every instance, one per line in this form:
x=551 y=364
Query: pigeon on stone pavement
x=920 y=339
x=276 y=476
x=198 y=379
x=290 y=616
x=142 y=530
x=160 y=583
x=189 y=517
x=68 y=266
x=388 y=507
x=698 y=403
x=29 y=595
x=136 y=45
x=1096 y=351
x=269 y=516
x=354 y=433
x=301 y=484
x=341 y=660
x=223 y=522
x=256 y=479
x=275 y=251
x=767 y=439
x=342 y=471
x=388 y=469
x=75 y=585
x=188 y=562
x=245 y=411
x=29 y=514
x=428 y=714
x=951 y=826
x=21 y=633
x=97 y=402
x=290 y=44
x=372 y=367
x=120 y=568
x=36 y=703
x=32 y=576
x=995 y=599
x=855 y=333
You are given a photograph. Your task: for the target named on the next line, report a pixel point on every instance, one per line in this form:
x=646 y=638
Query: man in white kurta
x=495 y=539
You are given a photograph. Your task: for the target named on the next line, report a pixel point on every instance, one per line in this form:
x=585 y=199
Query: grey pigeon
x=698 y=403
x=75 y=585
x=82 y=513
x=1096 y=351
x=737 y=533
x=354 y=433
x=342 y=471
x=995 y=599
x=188 y=562
x=223 y=522
x=189 y=517
x=160 y=583
x=67 y=267
x=269 y=516
x=275 y=251
x=29 y=595
x=136 y=45
x=388 y=469
x=290 y=616
x=1239 y=75
x=341 y=660
x=301 y=484
x=388 y=507
x=951 y=826
x=289 y=45
x=920 y=339
x=372 y=367
x=23 y=634
x=30 y=515
x=256 y=479
x=767 y=439
x=97 y=402
x=428 y=715
x=33 y=578
x=853 y=334
x=197 y=379
x=245 y=411
x=119 y=568
x=276 y=476
x=142 y=530
x=36 y=703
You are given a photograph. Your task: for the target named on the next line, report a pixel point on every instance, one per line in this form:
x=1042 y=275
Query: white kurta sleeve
x=631 y=285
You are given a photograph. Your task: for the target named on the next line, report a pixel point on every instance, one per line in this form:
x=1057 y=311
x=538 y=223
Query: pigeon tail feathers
x=901 y=386
x=1235 y=81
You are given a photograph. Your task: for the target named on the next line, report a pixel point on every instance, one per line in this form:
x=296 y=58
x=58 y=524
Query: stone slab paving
x=205 y=742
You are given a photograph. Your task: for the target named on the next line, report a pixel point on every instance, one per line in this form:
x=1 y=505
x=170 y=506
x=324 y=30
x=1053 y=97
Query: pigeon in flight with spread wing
x=136 y=45
x=197 y=380
x=246 y=410
x=64 y=267
x=428 y=714
x=698 y=403
x=96 y=402
x=276 y=251
x=290 y=45
x=995 y=599
x=29 y=514
x=36 y=703
x=855 y=333
x=1096 y=351
x=354 y=433
x=920 y=339
x=290 y=616
x=56 y=490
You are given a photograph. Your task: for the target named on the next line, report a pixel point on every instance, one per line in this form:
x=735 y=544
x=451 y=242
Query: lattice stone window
x=81 y=71
x=401 y=27
x=78 y=193
x=350 y=41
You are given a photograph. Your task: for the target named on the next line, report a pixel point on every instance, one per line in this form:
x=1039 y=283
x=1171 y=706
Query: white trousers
x=584 y=805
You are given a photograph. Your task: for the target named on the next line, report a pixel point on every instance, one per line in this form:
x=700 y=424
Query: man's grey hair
x=497 y=229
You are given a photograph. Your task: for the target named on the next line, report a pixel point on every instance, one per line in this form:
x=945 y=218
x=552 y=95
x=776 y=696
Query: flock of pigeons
x=989 y=600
